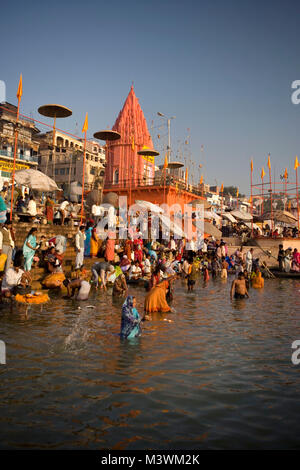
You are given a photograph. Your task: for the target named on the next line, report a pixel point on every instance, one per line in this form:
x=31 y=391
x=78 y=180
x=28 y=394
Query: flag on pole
x=86 y=123
x=166 y=162
x=20 y=89
x=251 y=165
x=269 y=162
x=296 y=163
x=201 y=179
x=186 y=175
x=222 y=188
x=262 y=173
x=237 y=192
x=250 y=200
x=285 y=174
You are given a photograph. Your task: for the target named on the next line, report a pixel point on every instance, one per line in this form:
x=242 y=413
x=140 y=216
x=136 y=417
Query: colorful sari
x=155 y=300
x=28 y=252
x=94 y=244
x=49 y=211
x=130 y=323
x=87 y=241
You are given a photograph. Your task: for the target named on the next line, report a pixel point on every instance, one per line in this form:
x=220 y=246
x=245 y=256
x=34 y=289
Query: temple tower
x=125 y=168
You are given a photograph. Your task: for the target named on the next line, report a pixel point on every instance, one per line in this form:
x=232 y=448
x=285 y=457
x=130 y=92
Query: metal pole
x=15 y=156
x=82 y=197
x=169 y=139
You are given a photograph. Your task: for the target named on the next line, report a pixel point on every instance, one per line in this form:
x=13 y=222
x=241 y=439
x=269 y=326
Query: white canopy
x=248 y=224
x=35 y=179
x=173 y=227
x=149 y=206
x=229 y=216
x=211 y=215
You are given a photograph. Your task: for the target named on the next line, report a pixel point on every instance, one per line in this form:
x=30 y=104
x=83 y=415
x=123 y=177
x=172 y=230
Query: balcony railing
x=148 y=182
x=25 y=158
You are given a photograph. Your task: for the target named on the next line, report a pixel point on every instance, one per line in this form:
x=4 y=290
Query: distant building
x=65 y=165
x=28 y=144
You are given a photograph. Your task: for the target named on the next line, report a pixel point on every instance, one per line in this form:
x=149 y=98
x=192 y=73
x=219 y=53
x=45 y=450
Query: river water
x=217 y=376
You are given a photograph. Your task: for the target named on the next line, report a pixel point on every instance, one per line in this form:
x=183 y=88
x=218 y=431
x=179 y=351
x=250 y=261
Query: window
x=62 y=171
x=93 y=170
x=56 y=171
x=116 y=176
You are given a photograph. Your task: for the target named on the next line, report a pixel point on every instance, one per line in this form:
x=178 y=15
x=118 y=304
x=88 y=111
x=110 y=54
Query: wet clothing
x=155 y=300
x=130 y=323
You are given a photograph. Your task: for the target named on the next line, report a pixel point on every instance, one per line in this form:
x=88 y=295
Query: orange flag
x=222 y=188
x=269 y=162
x=186 y=175
x=86 y=123
x=285 y=174
x=250 y=200
x=262 y=173
x=251 y=165
x=237 y=192
x=20 y=89
x=201 y=179
x=296 y=163
x=166 y=162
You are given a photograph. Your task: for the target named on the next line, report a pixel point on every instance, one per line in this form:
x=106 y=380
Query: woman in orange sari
x=94 y=244
x=109 y=254
x=155 y=300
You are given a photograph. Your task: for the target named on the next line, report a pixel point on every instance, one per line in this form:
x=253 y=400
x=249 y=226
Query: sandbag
x=53 y=280
x=35 y=298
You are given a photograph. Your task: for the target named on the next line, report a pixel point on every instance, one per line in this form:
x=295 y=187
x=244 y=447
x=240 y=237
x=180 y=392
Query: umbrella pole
x=83 y=170
x=297 y=201
x=15 y=156
x=53 y=146
x=251 y=204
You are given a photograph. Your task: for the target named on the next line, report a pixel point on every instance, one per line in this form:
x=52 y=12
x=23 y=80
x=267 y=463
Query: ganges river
x=218 y=376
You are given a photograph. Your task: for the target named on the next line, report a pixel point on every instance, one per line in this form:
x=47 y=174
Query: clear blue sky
x=224 y=68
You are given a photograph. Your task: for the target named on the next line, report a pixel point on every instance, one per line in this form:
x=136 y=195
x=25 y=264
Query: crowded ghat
x=113 y=252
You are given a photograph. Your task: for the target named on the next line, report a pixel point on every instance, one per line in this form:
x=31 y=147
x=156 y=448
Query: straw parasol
x=35 y=179
x=280 y=216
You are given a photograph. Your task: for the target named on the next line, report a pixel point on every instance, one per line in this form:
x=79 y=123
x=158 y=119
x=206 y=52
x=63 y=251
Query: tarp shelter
x=229 y=217
x=255 y=226
x=149 y=206
x=240 y=215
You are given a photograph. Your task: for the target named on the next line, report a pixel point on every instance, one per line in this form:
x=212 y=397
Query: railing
x=26 y=158
x=148 y=182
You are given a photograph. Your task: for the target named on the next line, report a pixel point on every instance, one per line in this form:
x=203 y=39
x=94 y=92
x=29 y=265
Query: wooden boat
x=284 y=275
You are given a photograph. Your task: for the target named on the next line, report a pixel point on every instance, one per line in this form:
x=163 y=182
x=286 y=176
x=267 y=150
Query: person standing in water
x=238 y=288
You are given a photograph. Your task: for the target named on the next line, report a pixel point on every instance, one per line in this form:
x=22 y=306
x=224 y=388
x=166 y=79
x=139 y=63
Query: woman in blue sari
x=3 y=210
x=130 y=323
x=29 y=248
x=87 y=241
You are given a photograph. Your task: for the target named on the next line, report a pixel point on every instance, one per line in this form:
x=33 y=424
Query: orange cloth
x=155 y=300
x=258 y=281
x=110 y=250
x=94 y=244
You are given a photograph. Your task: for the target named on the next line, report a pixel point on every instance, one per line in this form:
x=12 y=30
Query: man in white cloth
x=79 y=245
x=249 y=259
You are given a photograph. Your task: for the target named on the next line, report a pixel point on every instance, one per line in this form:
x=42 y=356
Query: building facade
x=64 y=163
x=28 y=143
